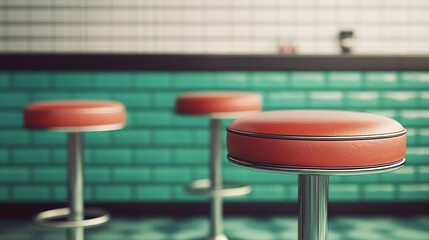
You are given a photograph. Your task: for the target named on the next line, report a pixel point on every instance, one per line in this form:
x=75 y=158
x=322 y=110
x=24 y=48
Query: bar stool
x=218 y=106
x=315 y=144
x=74 y=117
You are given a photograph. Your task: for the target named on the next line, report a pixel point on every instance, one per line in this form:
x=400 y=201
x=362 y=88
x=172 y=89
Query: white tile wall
x=221 y=26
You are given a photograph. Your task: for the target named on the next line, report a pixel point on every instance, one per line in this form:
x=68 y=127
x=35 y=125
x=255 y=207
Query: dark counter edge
x=198 y=209
x=179 y=62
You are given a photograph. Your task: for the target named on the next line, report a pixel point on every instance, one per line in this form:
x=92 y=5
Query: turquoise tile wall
x=159 y=152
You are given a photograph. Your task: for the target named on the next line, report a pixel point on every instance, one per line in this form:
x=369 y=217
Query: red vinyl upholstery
x=317 y=138
x=79 y=115
x=207 y=103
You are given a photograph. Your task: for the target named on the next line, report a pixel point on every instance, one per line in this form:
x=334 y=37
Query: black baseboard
x=195 y=209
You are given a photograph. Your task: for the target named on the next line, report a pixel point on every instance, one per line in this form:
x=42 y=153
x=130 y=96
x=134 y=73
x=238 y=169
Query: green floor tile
x=235 y=228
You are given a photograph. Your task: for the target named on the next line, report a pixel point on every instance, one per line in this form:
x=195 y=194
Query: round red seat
x=217 y=103
x=320 y=139
x=75 y=115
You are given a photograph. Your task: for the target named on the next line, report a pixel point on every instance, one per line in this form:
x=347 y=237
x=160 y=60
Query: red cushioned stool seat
x=218 y=104
x=75 y=115
x=317 y=139
x=315 y=144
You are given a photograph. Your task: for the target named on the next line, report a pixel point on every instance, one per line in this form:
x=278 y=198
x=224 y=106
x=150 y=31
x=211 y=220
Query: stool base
x=218 y=237
x=50 y=218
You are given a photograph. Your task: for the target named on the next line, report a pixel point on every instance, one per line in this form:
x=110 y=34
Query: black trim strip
x=330 y=171
x=172 y=62
x=318 y=138
x=201 y=209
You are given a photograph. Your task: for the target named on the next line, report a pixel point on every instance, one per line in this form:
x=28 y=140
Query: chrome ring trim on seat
x=220 y=115
x=318 y=138
x=47 y=218
x=318 y=171
x=116 y=108
x=232 y=189
x=93 y=128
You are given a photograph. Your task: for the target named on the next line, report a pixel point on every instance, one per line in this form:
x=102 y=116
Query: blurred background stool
x=217 y=105
x=74 y=117
x=316 y=144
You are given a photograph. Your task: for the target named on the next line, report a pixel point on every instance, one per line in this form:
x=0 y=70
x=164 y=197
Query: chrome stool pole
x=75 y=184
x=75 y=213
x=216 y=225
x=215 y=187
x=313 y=207
x=217 y=106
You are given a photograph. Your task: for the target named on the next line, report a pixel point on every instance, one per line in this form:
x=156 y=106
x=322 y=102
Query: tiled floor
x=343 y=228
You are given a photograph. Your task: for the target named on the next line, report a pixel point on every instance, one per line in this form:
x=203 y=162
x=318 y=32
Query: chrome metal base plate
x=51 y=218
x=218 y=237
x=231 y=189
x=318 y=171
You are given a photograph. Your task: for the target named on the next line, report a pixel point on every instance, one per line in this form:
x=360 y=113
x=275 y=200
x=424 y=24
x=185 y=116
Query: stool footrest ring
x=230 y=189
x=51 y=218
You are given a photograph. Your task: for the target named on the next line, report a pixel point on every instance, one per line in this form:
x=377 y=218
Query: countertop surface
x=196 y=62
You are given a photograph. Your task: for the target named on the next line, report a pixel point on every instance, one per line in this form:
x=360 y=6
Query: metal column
x=75 y=184
x=216 y=225
x=313 y=207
